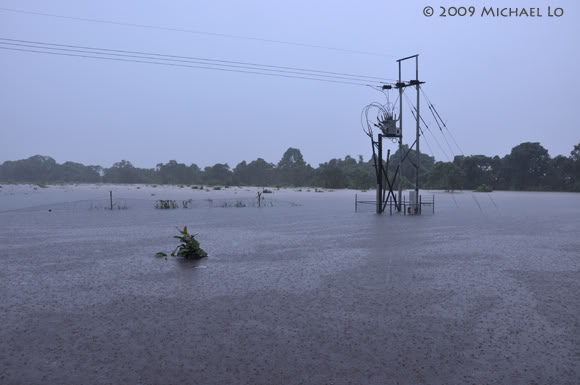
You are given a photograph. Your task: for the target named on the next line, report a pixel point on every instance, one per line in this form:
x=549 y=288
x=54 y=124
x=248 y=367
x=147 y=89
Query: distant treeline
x=527 y=167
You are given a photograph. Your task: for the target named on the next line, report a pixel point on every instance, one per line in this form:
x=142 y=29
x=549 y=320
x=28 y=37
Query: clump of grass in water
x=166 y=204
x=483 y=188
x=116 y=206
x=189 y=248
x=237 y=204
x=266 y=191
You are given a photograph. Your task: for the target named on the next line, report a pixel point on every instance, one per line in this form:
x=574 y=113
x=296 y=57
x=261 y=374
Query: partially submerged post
x=380 y=175
x=111 y=199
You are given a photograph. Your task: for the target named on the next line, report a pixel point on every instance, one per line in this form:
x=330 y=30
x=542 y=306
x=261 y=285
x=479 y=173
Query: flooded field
x=300 y=291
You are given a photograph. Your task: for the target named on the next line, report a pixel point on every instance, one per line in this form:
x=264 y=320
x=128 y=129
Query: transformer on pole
x=387 y=123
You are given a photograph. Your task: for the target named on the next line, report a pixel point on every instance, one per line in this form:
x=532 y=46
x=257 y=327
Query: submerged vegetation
x=527 y=167
x=234 y=204
x=483 y=188
x=169 y=204
x=166 y=204
x=107 y=206
x=189 y=247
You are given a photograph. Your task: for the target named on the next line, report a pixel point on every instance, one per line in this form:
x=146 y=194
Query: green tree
x=256 y=173
x=218 y=174
x=560 y=174
x=407 y=168
x=574 y=172
x=37 y=168
x=77 y=172
x=292 y=169
x=177 y=173
x=477 y=169
x=121 y=172
x=331 y=175
x=528 y=165
x=445 y=175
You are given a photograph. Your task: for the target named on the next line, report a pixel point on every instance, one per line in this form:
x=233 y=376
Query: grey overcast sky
x=497 y=81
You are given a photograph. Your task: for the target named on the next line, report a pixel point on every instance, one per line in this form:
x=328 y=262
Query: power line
x=177 y=58
x=171 y=60
x=437 y=116
x=198 y=32
x=442 y=122
x=411 y=108
x=441 y=130
x=423 y=134
x=184 y=65
x=427 y=127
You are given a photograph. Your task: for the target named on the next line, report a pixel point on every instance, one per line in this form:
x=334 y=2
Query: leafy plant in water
x=161 y=254
x=189 y=247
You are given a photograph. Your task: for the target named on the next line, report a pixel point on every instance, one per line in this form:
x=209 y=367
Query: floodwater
x=301 y=291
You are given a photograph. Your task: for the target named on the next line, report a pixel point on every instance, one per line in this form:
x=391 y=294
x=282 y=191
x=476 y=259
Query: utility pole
x=400 y=85
x=418 y=164
x=380 y=178
x=387 y=122
x=400 y=197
